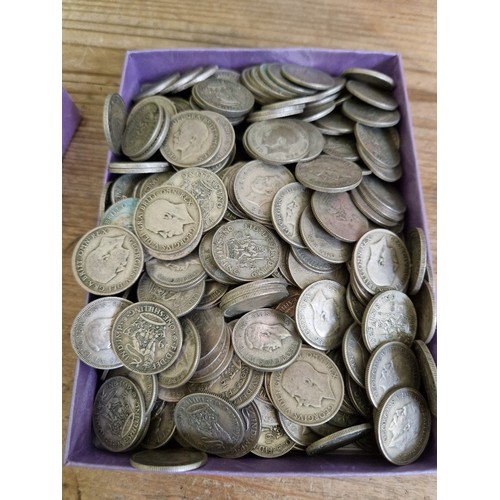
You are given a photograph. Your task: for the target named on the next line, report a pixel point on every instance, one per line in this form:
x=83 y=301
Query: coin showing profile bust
x=322 y=315
x=403 y=425
x=107 y=260
x=309 y=391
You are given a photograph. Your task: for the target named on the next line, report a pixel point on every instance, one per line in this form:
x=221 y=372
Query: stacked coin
x=257 y=293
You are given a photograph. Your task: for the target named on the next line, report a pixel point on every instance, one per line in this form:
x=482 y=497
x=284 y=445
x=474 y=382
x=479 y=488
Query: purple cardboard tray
x=147 y=66
x=70 y=120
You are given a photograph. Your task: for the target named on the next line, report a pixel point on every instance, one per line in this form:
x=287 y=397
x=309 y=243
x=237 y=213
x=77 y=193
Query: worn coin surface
x=381 y=261
x=255 y=185
x=370 y=76
x=121 y=213
x=392 y=364
x=168 y=221
x=147 y=337
x=366 y=114
x=403 y=426
x=193 y=139
x=91 y=332
x=209 y=423
x=322 y=315
x=329 y=174
x=114 y=120
x=389 y=315
x=118 y=416
x=287 y=206
x=338 y=216
x=186 y=364
x=310 y=390
x=355 y=354
x=171 y=460
x=312 y=78
x=425 y=306
x=321 y=243
x=371 y=94
x=273 y=440
x=107 y=260
x=379 y=144
x=245 y=250
x=281 y=141
x=266 y=339
x=207 y=189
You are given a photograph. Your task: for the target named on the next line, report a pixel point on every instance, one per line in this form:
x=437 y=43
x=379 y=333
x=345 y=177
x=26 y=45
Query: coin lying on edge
x=174 y=460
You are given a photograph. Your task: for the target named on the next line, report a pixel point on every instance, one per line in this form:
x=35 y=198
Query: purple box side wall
x=147 y=66
x=70 y=120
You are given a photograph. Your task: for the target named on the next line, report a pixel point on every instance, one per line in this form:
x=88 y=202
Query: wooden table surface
x=95 y=36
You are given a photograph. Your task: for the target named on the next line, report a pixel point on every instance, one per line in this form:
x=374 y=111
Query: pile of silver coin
x=253 y=288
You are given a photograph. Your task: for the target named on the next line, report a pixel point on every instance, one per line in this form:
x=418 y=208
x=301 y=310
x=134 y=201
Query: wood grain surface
x=95 y=36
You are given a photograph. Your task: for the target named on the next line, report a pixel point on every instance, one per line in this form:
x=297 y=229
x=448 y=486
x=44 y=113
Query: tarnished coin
x=160 y=86
x=302 y=435
x=255 y=185
x=245 y=250
x=193 y=139
x=144 y=123
x=107 y=260
x=369 y=115
x=223 y=96
x=124 y=187
x=371 y=94
x=208 y=262
x=91 y=332
x=213 y=293
x=369 y=212
x=273 y=70
x=359 y=398
x=209 y=423
x=355 y=306
x=195 y=76
x=370 y=76
x=312 y=78
x=312 y=261
x=184 y=80
x=288 y=204
x=428 y=371
x=328 y=174
x=280 y=141
x=161 y=426
x=207 y=189
x=114 y=120
x=180 y=274
x=266 y=339
x=321 y=243
x=253 y=295
x=387 y=174
x=228 y=138
x=417 y=246
x=403 y=426
x=186 y=364
x=341 y=146
x=392 y=364
x=250 y=391
x=381 y=262
x=180 y=302
x=335 y=123
x=273 y=441
x=316 y=141
x=339 y=439
x=148 y=384
x=389 y=316
x=168 y=222
x=379 y=144
x=230 y=383
x=137 y=167
x=121 y=214
x=383 y=197
x=211 y=327
x=252 y=422
x=425 y=306
x=147 y=337
x=338 y=216
x=355 y=354
x=322 y=315
x=118 y=416
x=310 y=390
x=171 y=460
